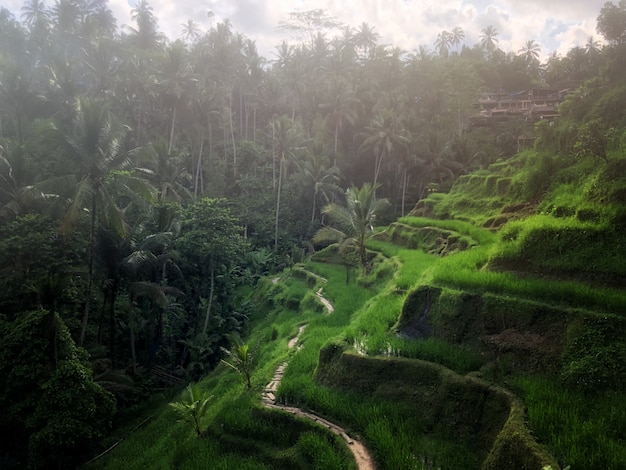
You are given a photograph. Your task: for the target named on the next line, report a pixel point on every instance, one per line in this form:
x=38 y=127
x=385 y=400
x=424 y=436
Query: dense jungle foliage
x=148 y=185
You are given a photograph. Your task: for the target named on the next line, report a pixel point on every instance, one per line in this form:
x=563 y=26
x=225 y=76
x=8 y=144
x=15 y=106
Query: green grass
x=366 y=311
x=455 y=357
x=465 y=271
x=583 y=431
x=481 y=235
x=397 y=440
x=562 y=245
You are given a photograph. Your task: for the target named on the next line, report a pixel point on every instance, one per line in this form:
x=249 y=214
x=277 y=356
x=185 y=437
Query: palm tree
x=316 y=173
x=352 y=225
x=193 y=407
x=386 y=136
x=457 y=36
x=34 y=13
x=341 y=108
x=190 y=30
x=166 y=172
x=17 y=96
x=102 y=65
x=488 y=39
x=16 y=196
x=136 y=265
x=242 y=357
x=592 y=46
x=421 y=54
x=365 y=38
x=145 y=36
x=286 y=137
x=443 y=42
x=99 y=20
x=94 y=148
x=37 y=18
x=66 y=16
x=174 y=82
x=530 y=52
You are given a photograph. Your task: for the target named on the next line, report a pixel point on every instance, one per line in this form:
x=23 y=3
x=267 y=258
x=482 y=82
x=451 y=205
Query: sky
x=556 y=25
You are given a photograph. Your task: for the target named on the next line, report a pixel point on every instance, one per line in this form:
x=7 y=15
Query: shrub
x=594 y=360
x=51 y=407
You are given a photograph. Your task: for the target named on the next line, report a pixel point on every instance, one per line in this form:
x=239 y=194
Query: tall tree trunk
x=336 y=143
x=378 y=164
x=280 y=183
x=363 y=253
x=198 y=166
x=92 y=241
x=405 y=182
x=112 y=327
x=273 y=155
x=102 y=315
x=232 y=136
x=171 y=144
x=131 y=327
x=254 y=124
x=210 y=301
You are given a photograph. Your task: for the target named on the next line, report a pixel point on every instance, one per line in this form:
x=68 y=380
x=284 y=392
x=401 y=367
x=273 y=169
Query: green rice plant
x=376 y=321
x=321 y=452
x=481 y=235
x=582 y=433
x=388 y=249
x=415 y=268
x=458 y=358
x=393 y=446
x=566 y=245
x=345 y=297
x=464 y=271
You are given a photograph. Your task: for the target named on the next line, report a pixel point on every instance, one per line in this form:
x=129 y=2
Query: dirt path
x=325 y=301
x=362 y=456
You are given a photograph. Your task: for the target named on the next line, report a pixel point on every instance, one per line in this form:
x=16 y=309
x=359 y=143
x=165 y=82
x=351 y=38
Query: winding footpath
x=362 y=456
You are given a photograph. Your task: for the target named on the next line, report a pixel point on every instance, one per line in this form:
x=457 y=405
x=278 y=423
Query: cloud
x=555 y=25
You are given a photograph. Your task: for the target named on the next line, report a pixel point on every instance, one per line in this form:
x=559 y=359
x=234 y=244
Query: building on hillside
x=516 y=113
x=532 y=105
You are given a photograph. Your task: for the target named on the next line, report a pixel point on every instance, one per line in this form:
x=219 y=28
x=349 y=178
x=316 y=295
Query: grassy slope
x=235 y=419
x=509 y=264
x=240 y=434
x=560 y=245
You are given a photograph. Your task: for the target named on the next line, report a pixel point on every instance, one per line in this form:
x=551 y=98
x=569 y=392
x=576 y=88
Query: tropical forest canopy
x=144 y=180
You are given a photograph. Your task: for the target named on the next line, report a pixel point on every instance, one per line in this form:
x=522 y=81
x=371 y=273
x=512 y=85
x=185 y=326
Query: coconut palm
x=94 y=149
x=166 y=172
x=457 y=36
x=34 y=13
x=353 y=224
x=174 y=81
x=386 y=136
x=193 y=407
x=488 y=40
x=287 y=136
x=315 y=173
x=190 y=30
x=530 y=52
x=145 y=36
x=592 y=46
x=242 y=358
x=365 y=39
x=341 y=107
x=443 y=42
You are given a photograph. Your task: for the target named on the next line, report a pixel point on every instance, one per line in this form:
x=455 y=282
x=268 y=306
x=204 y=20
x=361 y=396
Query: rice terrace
x=344 y=255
